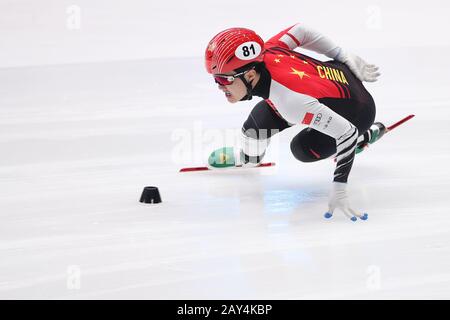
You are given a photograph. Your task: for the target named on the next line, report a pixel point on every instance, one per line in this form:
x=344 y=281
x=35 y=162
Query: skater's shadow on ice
x=261 y=193
x=288 y=200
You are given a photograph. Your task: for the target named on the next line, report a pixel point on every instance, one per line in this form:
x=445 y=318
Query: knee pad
x=299 y=152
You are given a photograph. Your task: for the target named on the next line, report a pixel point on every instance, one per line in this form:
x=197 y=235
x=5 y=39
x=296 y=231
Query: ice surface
x=79 y=142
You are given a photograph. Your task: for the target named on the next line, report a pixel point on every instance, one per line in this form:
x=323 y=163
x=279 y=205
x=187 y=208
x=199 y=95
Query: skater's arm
x=303 y=36
x=303 y=109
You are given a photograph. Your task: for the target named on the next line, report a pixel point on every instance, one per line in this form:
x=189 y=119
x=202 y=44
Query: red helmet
x=231 y=49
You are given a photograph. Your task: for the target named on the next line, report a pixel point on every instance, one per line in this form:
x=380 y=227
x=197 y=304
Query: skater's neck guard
x=262 y=88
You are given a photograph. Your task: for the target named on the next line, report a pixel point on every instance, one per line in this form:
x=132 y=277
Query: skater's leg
x=262 y=123
x=361 y=113
x=311 y=145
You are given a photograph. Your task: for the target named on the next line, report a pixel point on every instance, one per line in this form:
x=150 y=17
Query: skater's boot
x=375 y=132
x=222 y=158
x=227 y=157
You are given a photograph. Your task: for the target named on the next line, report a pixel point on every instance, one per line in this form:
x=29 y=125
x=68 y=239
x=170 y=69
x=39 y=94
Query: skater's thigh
x=360 y=113
x=310 y=145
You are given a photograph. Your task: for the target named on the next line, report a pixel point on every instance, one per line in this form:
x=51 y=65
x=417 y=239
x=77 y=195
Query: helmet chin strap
x=248 y=85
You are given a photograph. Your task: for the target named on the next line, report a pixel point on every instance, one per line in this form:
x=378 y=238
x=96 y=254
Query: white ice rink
x=78 y=142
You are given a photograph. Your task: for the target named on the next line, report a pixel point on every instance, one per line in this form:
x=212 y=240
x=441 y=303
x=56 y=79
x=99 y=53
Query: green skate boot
x=222 y=158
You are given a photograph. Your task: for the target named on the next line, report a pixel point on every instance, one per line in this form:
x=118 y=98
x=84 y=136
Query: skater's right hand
x=339 y=199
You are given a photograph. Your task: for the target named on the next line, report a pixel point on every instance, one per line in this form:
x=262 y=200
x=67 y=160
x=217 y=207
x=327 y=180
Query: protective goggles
x=226 y=80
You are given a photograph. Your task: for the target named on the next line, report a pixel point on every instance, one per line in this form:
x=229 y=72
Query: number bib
x=248 y=50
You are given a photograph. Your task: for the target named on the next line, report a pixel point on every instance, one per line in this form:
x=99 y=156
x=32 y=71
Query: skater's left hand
x=362 y=70
x=339 y=199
